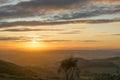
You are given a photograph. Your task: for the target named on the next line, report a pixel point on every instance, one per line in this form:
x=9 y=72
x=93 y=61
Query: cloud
x=8 y=12
x=28 y=29
x=36 y=23
x=14 y=38
x=10 y=2
x=50 y=41
x=8 y=38
x=83 y=41
x=37 y=7
x=51 y=4
x=90 y=41
x=28 y=39
x=2 y=1
x=71 y=32
x=44 y=5
x=55 y=12
x=116 y=34
x=96 y=11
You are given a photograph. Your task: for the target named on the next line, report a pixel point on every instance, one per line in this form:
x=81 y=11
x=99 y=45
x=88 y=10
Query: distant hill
x=108 y=65
x=113 y=58
x=10 y=69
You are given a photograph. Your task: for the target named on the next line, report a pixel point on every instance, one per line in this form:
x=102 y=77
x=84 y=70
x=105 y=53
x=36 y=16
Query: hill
x=12 y=71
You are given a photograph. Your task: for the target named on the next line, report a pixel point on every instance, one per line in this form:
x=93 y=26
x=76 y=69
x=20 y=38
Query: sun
x=34 y=45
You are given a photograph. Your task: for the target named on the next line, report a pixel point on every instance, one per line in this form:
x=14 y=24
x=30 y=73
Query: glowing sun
x=34 y=45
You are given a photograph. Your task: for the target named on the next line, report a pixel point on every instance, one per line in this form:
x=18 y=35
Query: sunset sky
x=60 y=24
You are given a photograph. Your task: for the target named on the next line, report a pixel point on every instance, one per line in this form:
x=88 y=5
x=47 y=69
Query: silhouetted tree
x=69 y=68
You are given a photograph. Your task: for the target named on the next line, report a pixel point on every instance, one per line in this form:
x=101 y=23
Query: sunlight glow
x=34 y=45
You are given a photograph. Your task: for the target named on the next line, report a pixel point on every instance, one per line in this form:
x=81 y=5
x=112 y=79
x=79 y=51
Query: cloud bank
x=55 y=12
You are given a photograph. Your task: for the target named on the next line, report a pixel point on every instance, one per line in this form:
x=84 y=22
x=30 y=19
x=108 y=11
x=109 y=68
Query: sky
x=59 y=24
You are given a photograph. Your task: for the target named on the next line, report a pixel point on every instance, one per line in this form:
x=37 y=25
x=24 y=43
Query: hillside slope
x=7 y=68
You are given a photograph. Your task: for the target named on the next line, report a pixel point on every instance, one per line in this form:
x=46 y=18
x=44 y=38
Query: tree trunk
x=72 y=74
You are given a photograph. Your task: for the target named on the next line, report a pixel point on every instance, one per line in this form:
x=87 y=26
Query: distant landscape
x=34 y=66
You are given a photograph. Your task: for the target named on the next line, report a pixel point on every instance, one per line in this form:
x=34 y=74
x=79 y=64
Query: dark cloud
x=27 y=39
x=35 y=23
x=62 y=4
x=90 y=41
x=13 y=12
x=28 y=29
x=71 y=32
x=57 y=40
x=115 y=34
x=96 y=11
x=2 y=1
x=84 y=41
x=51 y=4
x=8 y=38
x=68 y=11
x=38 y=7
x=15 y=38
